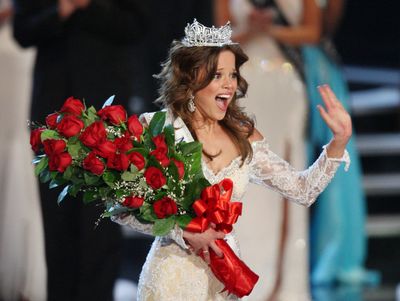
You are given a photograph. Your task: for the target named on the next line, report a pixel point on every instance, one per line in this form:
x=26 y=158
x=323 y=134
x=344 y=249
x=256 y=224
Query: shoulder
x=256 y=136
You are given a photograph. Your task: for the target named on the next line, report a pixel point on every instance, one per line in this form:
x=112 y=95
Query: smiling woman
x=200 y=87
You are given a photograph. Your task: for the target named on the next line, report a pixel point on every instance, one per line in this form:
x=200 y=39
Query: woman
x=200 y=87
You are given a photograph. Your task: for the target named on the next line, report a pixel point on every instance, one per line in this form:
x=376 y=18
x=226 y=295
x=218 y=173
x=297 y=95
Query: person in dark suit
x=84 y=49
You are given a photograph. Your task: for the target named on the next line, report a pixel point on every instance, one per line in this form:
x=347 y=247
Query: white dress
x=172 y=272
x=22 y=255
x=277 y=98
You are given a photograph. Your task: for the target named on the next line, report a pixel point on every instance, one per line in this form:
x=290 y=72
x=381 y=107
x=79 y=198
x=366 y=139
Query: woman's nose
x=227 y=82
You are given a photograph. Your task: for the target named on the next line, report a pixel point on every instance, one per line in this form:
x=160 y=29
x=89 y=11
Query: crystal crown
x=196 y=34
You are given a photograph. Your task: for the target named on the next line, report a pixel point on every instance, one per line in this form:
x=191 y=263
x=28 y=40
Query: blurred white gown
x=22 y=258
x=276 y=96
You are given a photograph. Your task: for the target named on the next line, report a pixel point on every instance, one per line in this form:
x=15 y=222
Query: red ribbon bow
x=215 y=207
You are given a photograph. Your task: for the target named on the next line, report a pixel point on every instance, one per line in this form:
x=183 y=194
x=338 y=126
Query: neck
x=204 y=125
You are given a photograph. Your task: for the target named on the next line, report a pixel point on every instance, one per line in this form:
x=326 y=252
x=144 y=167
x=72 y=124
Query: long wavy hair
x=190 y=69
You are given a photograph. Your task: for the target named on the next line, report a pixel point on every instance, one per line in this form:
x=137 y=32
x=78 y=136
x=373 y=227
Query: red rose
x=160 y=143
x=161 y=156
x=54 y=146
x=59 y=162
x=93 y=134
x=133 y=202
x=73 y=106
x=154 y=177
x=106 y=148
x=165 y=207
x=51 y=120
x=118 y=161
x=116 y=114
x=137 y=159
x=180 y=166
x=123 y=144
x=135 y=127
x=36 y=141
x=93 y=164
x=70 y=125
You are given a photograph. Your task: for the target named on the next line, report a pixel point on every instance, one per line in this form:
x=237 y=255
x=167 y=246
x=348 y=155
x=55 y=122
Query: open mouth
x=223 y=101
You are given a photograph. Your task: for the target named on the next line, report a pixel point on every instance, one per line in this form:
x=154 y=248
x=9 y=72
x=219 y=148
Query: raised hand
x=337 y=119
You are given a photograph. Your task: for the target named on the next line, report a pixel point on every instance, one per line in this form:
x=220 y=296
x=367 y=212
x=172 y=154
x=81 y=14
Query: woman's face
x=212 y=101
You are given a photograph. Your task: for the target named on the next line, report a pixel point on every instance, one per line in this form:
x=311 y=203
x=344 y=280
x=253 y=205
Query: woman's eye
x=234 y=75
x=217 y=75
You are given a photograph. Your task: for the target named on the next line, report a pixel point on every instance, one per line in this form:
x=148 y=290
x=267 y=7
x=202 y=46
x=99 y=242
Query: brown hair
x=190 y=69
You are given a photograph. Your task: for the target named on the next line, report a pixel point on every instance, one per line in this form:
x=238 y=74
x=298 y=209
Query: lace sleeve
x=175 y=234
x=303 y=187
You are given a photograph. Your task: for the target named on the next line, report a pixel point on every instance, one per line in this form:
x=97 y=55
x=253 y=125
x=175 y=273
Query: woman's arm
x=268 y=169
x=333 y=14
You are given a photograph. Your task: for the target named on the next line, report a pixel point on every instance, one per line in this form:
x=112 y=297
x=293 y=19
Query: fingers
x=217 y=250
x=329 y=98
x=323 y=113
x=206 y=255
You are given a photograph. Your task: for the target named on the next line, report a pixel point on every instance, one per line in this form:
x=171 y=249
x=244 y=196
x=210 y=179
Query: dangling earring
x=191 y=106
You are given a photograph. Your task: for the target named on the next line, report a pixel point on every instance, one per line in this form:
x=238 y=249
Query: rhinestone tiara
x=196 y=34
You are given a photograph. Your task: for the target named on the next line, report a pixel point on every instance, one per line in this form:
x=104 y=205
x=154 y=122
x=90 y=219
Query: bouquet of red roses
x=112 y=158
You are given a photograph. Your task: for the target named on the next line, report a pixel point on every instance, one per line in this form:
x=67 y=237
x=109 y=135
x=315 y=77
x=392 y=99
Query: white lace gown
x=173 y=273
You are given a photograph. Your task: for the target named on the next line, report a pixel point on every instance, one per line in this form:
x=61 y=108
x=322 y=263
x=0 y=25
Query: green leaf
x=67 y=175
x=104 y=191
x=157 y=123
x=169 y=134
x=183 y=220
x=73 y=139
x=43 y=163
x=74 y=149
x=147 y=213
x=193 y=191
x=195 y=164
x=120 y=193
x=90 y=179
x=89 y=196
x=129 y=176
x=62 y=194
x=163 y=226
x=91 y=116
x=160 y=195
x=110 y=178
x=141 y=150
x=74 y=189
x=191 y=147
x=58 y=181
x=49 y=134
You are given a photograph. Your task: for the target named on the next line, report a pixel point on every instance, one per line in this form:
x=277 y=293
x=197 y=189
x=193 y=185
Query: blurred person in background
x=278 y=249
x=22 y=255
x=338 y=241
x=153 y=49
x=84 y=49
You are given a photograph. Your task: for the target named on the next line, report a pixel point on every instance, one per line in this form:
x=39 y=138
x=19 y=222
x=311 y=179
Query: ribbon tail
x=236 y=276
